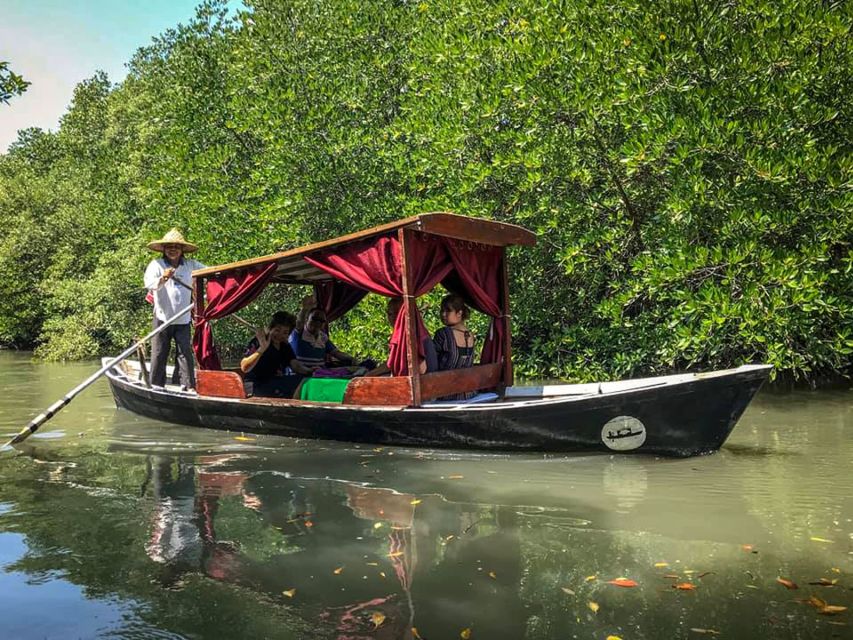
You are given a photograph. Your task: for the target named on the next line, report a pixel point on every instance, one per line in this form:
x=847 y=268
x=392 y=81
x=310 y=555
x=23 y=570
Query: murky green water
x=116 y=526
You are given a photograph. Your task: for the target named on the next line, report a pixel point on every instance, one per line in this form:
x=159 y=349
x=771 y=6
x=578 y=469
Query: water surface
x=116 y=526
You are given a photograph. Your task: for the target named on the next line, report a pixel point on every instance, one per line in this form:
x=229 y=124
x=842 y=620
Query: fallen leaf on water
x=613 y=638
x=377 y=619
x=684 y=586
x=788 y=584
x=289 y=593
x=492 y=575
x=244 y=439
x=746 y=547
x=396 y=554
x=455 y=476
x=567 y=591
x=825 y=582
x=338 y=571
x=372 y=564
x=705 y=573
x=377 y=525
x=415 y=502
x=815 y=602
x=593 y=606
x=835 y=570
x=712 y=632
x=382 y=574
x=816 y=539
x=415 y=634
x=622 y=582
x=590 y=578
x=465 y=634
x=831 y=610
x=661 y=565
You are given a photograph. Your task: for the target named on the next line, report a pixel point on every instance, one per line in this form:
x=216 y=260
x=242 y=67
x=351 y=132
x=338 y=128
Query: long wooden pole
x=53 y=409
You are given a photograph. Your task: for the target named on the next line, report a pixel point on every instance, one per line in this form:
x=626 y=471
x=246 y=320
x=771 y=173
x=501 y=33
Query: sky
x=55 y=44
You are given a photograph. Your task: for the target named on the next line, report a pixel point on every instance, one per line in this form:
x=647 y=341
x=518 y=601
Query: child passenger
x=269 y=360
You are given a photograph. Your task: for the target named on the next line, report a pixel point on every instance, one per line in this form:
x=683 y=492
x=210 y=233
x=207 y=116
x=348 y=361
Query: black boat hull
x=684 y=419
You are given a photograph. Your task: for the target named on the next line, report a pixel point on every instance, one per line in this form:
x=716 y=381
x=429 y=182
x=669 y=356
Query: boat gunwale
x=679 y=380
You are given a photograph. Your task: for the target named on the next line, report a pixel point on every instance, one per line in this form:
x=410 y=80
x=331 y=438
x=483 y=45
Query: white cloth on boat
x=170 y=297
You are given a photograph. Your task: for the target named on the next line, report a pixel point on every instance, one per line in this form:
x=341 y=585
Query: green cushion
x=324 y=389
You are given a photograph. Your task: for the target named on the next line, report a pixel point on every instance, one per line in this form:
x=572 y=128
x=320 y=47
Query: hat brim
x=157 y=245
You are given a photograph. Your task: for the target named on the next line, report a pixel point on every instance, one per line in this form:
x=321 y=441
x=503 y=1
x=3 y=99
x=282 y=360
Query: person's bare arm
x=248 y=363
x=339 y=355
x=300 y=368
x=381 y=370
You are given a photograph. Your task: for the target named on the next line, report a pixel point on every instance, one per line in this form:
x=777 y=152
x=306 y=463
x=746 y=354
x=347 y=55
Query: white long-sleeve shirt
x=170 y=297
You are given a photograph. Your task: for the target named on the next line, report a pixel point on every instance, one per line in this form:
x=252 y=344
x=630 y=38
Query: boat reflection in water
x=361 y=542
x=354 y=554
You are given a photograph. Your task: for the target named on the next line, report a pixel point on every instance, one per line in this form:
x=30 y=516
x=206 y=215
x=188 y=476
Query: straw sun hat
x=173 y=237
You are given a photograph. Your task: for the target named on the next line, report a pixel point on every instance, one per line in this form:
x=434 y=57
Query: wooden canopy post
x=507 y=372
x=411 y=309
x=198 y=294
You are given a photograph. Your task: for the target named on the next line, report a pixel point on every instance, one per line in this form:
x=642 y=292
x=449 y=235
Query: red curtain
x=375 y=264
x=227 y=294
x=336 y=298
x=478 y=277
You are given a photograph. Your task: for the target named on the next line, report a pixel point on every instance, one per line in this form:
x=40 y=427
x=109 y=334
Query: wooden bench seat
x=220 y=384
x=382 y=391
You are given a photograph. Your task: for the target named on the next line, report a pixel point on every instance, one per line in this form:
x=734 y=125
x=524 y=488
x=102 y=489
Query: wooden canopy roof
x=293 y=269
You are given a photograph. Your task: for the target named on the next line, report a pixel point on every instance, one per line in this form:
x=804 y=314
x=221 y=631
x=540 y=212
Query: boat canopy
x=403 y=259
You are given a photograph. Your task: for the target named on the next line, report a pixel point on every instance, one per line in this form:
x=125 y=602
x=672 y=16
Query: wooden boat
x=677 y=415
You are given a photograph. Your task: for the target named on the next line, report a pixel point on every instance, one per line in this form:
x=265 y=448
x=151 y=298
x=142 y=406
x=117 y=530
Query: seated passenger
x=391 y=312
x=312 y=344
x=309 y=302
x=454 y=343
x=269 y=356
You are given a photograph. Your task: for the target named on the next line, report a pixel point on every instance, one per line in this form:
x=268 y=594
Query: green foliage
x=11 y=84
x=686 y=165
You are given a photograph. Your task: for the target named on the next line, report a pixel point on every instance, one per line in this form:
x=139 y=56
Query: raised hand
x=263 y=339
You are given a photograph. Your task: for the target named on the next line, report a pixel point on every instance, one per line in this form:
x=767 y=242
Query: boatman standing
x=169 y=279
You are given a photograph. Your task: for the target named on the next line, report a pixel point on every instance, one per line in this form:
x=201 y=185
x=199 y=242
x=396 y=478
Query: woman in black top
x=454 y=343
x=268 y=358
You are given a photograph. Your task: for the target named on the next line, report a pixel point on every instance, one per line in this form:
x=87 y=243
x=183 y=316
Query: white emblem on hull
x=623 y=433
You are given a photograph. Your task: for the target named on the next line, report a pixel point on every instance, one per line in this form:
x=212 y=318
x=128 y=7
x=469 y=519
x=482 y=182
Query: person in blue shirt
x=312 y=345
x=269 y=360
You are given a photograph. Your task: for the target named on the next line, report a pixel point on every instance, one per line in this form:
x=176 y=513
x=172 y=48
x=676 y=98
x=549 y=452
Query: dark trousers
x=278 y=386
x=160 y=346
